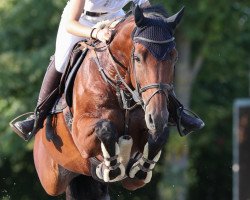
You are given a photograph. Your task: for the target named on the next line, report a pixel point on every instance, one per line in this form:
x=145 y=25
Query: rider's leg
x=47 y=96
x=190 y=123
x=64 y=45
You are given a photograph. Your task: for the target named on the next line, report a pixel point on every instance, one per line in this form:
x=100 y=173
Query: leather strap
x=94 y=14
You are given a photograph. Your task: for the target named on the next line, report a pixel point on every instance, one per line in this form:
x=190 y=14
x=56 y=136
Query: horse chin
x=157 y=135
x=156 y=132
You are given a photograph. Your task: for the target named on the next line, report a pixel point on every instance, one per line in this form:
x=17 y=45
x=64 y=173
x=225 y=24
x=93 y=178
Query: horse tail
x=86 y=188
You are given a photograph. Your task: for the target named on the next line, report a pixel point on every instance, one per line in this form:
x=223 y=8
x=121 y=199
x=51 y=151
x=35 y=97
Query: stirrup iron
x=16 y=130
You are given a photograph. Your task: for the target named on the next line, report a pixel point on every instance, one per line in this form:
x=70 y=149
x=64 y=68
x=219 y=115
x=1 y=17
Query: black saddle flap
x=68 y=77
x=70 y=80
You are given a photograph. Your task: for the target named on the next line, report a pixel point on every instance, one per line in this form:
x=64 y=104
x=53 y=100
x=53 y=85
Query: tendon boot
x=181 y=117
x=48 y=94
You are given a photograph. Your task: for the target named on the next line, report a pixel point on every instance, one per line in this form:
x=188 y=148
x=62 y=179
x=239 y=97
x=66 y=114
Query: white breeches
x=66 y=41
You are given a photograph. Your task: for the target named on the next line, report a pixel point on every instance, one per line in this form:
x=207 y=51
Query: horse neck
x=121 y=47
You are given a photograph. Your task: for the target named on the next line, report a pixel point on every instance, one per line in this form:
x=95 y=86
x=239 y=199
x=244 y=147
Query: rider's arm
x=74 y=27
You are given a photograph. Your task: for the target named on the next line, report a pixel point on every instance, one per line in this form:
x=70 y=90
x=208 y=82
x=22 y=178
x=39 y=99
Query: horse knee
x=53 y=191
x=107 y=134
x=51 y=184
x=57 y=183
x=105 y=131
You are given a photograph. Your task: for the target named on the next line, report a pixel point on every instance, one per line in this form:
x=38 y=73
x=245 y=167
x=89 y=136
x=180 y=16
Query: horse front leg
x=97 y=138
x=142 y=168
x=111 y=169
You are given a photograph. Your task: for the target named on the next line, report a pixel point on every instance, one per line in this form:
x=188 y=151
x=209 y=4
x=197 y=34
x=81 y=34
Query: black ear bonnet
x=155 y=30
x=155 y=33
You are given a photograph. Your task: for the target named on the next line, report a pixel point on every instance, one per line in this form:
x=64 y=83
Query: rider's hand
x=103 y=35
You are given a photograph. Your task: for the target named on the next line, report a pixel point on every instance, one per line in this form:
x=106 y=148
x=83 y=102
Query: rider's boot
x=179 y=117
x=48 y=94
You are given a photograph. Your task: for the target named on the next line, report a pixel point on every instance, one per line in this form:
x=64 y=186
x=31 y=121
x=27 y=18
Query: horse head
x=147 y=43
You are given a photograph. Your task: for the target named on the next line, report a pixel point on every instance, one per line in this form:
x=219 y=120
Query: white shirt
x=66 y=41
x=110 y=6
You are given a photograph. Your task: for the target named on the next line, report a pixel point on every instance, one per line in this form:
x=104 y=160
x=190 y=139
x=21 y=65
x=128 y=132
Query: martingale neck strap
x=135 y=94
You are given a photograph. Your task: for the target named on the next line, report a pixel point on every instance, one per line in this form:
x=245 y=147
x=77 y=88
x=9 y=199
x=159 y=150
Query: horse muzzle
x=156 y=117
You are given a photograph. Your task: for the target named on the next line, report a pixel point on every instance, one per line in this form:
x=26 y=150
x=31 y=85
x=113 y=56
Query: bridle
x=136 y=94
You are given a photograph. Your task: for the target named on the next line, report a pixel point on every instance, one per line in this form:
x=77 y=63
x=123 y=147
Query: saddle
x=64 y=101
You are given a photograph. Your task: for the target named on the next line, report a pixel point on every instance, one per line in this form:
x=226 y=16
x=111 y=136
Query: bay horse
x=120 y=112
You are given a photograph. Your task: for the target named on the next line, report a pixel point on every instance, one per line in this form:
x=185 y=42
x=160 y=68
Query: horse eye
x=137 y=59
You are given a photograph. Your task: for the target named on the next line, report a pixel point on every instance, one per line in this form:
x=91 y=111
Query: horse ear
x=174 y=20
x=139 y=17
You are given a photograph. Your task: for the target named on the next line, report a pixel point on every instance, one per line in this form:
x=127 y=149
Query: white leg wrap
x=125 y=144
x=106 y=155
x=139 y=164
x=148 y=178
x=103 y=169
x=104 y=174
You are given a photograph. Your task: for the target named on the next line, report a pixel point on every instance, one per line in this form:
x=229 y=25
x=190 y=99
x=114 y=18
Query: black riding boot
x=48 y=94
x=179 y=117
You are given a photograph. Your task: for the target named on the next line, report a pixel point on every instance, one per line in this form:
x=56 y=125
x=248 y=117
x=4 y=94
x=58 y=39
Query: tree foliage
x=228 y=64
x=27 y=41
x=216 y=30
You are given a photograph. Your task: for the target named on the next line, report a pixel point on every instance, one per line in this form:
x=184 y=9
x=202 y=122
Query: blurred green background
x=213 y=41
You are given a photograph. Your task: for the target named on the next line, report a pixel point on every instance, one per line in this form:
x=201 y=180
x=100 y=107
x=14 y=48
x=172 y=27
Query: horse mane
x=150 y=12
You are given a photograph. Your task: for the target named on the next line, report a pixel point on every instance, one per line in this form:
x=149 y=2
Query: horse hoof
x=140 y=172
x=142 y=168
x=110 y=173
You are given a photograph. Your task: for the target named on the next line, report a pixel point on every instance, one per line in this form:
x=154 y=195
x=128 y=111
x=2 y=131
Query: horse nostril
x=150 y=119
